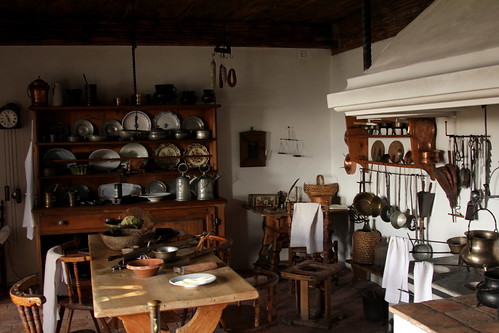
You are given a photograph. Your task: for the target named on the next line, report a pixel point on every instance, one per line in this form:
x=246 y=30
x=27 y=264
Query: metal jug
x=203 y=186
x=182 y=184
x=38 y=91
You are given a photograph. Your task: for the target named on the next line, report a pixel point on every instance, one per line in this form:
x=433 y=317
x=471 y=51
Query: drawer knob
x=62 y=222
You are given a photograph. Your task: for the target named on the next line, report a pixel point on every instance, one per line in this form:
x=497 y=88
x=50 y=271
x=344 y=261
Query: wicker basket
x=364 y=243
x=320 y=192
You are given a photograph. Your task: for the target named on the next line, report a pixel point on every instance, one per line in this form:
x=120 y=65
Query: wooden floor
x=346 y=300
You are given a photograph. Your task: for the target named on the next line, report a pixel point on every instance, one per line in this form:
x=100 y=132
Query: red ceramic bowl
x=145 y=267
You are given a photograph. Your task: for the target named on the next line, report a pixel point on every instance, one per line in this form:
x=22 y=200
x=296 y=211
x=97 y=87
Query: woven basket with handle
x=320 y=192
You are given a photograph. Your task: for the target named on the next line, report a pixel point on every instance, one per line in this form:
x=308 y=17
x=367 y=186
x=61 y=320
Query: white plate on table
x=136 y=120
x=193 y=280
x=167 y=120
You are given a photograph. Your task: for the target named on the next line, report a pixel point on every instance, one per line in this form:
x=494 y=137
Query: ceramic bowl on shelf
x=145 y=267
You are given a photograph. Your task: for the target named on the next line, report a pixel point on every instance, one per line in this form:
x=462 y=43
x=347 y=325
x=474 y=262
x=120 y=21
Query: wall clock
x=9 y=117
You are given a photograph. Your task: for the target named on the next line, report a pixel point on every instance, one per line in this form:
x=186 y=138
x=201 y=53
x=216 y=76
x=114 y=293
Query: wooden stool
x=315 y=274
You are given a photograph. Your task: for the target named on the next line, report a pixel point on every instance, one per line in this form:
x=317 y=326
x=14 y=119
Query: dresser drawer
x=68 y=224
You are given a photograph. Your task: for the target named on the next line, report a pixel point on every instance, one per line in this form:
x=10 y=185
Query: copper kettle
x=38 y=91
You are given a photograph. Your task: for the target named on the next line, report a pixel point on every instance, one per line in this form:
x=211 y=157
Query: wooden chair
x=27 y=296
x=222 y=246
x=259 y=314
x=79 y=291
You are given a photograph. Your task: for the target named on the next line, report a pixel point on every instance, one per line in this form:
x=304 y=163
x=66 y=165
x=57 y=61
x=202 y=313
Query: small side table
x=315 y=274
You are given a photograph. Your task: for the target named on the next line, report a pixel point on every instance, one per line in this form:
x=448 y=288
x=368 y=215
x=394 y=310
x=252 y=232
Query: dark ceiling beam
x=163 y=32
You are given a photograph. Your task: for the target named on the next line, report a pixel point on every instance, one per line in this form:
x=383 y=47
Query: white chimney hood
x=446 y=59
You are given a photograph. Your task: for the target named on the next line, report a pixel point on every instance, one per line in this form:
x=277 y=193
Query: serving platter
x=156 y=186
x=155 y=197
x=58 y=154
x=106 y=191
x=107 y=160
x=134 y=150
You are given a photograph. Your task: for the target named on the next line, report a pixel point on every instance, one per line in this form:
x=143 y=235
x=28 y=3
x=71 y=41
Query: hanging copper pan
x=349 y=165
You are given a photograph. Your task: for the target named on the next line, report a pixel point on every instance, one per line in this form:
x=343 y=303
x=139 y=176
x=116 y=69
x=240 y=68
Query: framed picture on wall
x=252 y=148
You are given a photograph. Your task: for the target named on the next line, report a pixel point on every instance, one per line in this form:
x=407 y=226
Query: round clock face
x=8 y=118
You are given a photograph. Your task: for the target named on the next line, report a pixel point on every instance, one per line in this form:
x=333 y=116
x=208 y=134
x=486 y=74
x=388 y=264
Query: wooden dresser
x=52 y=163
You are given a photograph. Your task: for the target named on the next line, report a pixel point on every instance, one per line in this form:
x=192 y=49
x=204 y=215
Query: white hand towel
x=307 y=227
x=423 y=277
x=396 y=270
x=53 y=285
x=28 y=220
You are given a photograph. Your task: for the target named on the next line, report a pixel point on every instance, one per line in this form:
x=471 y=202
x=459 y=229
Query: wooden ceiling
x=323 y=24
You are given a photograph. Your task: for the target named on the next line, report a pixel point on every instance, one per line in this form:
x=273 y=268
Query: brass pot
x=482 y=249
x=363 y=203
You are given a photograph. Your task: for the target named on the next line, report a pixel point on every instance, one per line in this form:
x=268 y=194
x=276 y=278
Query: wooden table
x=121 y=294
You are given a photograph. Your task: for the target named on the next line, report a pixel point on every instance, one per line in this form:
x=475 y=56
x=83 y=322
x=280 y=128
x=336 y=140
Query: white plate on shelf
x=134 y=150
x=110 y=160
x=167 y=120
x=136 y=120
x=82 y=128
x=155 y=197
x=193 y=280
x=106 y=191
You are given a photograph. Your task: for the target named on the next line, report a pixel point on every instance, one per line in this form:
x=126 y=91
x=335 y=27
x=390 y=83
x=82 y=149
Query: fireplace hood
x=444 y=60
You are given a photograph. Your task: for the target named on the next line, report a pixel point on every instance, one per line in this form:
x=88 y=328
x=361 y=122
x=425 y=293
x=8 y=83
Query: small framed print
x=253 y=149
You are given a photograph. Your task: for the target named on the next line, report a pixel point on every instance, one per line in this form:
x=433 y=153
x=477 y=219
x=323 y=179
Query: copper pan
x=349 y=165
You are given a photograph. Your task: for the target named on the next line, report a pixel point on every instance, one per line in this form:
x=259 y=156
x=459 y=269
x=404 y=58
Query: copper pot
x=349 y=165
x=363 y=203
x=38 y=92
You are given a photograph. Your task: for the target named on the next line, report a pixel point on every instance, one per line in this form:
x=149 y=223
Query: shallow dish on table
x=193 y=280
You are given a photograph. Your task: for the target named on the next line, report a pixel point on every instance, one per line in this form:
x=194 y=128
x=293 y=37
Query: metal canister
x=182 y=184
x=49 y=199
x=38 y=91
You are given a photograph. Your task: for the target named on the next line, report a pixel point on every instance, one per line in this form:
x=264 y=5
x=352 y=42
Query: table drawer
x=64 y=224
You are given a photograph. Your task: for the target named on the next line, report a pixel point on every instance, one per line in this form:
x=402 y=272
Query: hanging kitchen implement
x=482 y=248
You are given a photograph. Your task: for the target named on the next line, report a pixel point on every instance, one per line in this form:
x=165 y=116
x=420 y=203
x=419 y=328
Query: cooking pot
x=398 y=219
x=363 y=203
x=487 y=291
x=482 y=248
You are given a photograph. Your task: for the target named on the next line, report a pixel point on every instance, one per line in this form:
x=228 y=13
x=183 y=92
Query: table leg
x=304 y=301
x=205 y=320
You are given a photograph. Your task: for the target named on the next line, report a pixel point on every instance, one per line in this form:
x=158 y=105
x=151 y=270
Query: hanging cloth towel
x=396 y=270
x=52 y=287
x=423 y=277
x=28 y=220
x=307 y=227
